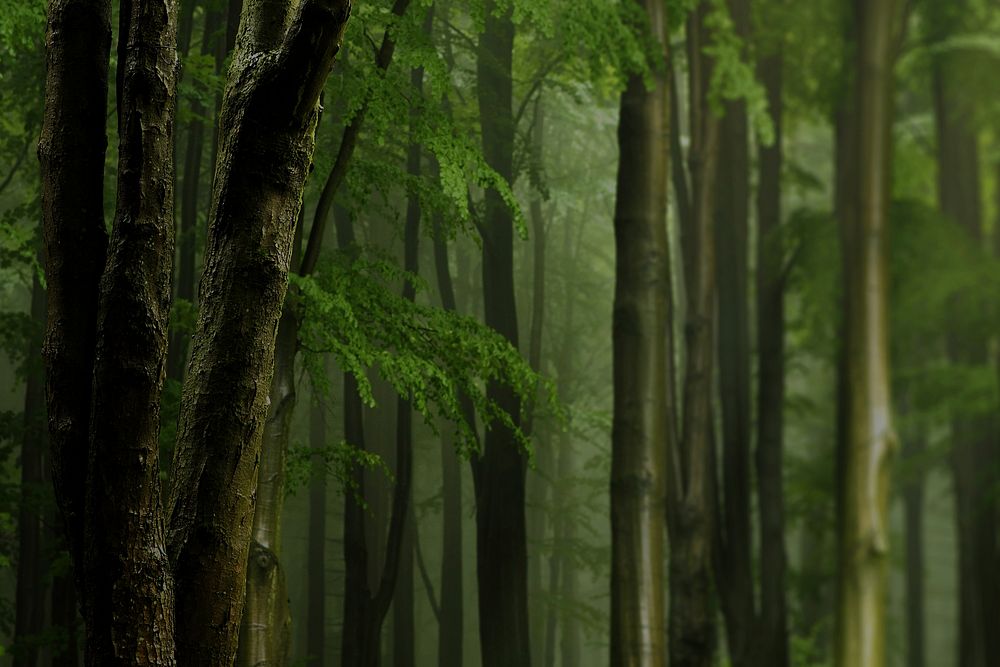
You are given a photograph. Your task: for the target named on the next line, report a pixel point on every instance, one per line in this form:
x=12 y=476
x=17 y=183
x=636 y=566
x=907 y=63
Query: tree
x=109 y=303
x=867 y=440
x=641 y=430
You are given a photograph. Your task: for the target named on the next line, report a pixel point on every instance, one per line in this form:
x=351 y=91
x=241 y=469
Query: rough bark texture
x=129 y=584
x=499 y=473
x=30 y=601
x=71 y=151
x=640 y=431
x=868 y=441
x=772 y=638
x=269 y=114
x=691 y=487
x=316 y=566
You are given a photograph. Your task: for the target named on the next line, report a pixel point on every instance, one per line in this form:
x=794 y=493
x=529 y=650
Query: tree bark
x=499 y=472
x=641 y=344
x=773 y=635
x=269 y=113
x=29 y=595
x=868 y=441
x=316 y=610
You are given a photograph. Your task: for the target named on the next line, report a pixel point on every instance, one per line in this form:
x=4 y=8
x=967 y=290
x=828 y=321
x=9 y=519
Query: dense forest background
x=700 y=248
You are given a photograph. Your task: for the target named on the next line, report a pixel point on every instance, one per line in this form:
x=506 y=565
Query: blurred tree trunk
x=642 y=363
x=316 y=614
x=772 y=638
x=404 y=632
x=29 y=595
x=913 y=501
x=974 y=438
x=499 y=472
x=867 y=439
x=732 y=551
x=691 y=490
x=451 y=628
x=187 y=237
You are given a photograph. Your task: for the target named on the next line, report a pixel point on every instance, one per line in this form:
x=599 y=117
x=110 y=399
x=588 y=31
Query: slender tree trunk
x=772 y=638
x=269 y=113
x=733 y=549
x=499 y=473
x=187 y=237
x=692 y=480
x=404 y=632
x=316 y=614
x=29 y=596
x=451 y=628
x=642 y=365
x=913 y=500
x=868 y=441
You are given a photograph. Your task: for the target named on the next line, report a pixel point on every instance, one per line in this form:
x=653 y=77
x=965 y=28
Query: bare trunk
x=868 y=441
x=269 y=113
x=913 y=500
x=316 y=613
x=29 y=596
x=499 y=473
x=642 y=365
x=772 y=638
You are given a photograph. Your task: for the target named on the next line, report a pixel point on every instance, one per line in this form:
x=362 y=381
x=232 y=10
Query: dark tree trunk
x=316 y=612
x=733 y=548
x=72 y=151
x=913 y=501
x=65 y=617
x=691 y=492
x=642 y=365
x=187 y=236
x=264 y=158
x=29 y=596
x=451 y=627
x=867 y=440
x=499 y=472
x=772 y=638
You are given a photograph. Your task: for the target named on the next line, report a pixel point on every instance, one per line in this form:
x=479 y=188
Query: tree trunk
x=316 y=614
x=973 y=438
x=641 y=348
x=733 y=548
x=187 y=236
x=499 y=473
x=913 y=500
x=692 y=490
x=868 y=441
x=772 y=638
x=29 y=596
x=269 y=115
x=451 y=628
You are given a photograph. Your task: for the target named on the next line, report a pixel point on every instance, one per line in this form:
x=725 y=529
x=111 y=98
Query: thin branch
x=424 y=576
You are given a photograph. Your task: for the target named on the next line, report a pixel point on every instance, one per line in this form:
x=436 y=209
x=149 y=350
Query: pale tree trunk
x=642 y=364
x=499 y=472
x=867 y=438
